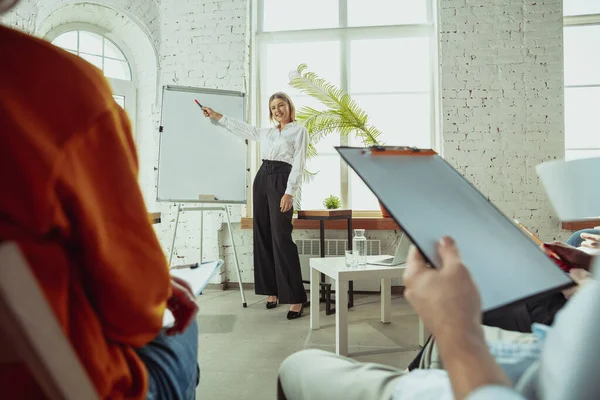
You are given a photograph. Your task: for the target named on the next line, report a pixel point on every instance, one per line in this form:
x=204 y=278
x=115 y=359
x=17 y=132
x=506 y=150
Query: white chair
x=30 y=333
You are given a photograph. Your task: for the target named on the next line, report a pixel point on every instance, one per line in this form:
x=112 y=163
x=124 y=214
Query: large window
x=582 y=78
x=107 y=56
x=379 y=51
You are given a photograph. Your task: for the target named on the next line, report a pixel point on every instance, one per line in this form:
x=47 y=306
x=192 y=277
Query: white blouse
x=289 y=145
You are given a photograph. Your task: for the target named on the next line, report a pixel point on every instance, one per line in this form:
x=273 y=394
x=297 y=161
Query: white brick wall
x=204 y=45
x=501 y=96
x=23 y=16
x=29 y=13
x=502 y=100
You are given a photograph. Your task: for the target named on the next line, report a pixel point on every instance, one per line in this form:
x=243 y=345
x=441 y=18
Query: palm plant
x=341 y=115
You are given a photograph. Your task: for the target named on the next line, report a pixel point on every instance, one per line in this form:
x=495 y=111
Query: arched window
x=98 y=50
x=102 y=52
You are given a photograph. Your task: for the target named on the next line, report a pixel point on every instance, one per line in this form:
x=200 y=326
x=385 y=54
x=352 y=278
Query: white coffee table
x=335 y=268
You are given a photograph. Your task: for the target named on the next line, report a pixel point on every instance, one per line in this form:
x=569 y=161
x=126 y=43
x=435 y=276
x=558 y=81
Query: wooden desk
x=154 y=217
x=328 y=215
x=322 y=216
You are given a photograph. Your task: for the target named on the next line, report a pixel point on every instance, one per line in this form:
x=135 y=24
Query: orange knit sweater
x=70 y=198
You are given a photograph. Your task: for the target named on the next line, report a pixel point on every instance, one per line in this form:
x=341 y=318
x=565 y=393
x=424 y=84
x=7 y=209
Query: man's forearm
x=468 y=361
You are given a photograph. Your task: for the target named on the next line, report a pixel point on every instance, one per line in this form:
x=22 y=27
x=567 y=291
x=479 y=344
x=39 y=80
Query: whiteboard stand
x=224 y=208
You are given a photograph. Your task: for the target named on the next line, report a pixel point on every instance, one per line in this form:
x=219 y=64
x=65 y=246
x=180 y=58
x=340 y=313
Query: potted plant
x=342 y=114
x=332 y=202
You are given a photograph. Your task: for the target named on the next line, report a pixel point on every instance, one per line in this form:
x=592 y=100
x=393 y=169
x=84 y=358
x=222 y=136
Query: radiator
x=311 y=248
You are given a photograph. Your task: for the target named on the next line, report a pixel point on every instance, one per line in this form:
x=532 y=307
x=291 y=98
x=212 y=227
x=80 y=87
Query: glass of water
x=351 y=259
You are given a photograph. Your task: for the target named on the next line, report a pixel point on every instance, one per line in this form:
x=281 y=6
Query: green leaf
x=308 y=176
x=342 y=113
x=311 y=152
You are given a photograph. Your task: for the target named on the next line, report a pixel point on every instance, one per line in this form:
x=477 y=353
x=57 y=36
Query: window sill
x=367 y=223
x=578 y=225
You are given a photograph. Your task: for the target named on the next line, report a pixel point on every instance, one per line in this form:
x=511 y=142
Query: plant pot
x=384 y=212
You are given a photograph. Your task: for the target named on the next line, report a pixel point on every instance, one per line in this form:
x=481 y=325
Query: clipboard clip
x=397 y=151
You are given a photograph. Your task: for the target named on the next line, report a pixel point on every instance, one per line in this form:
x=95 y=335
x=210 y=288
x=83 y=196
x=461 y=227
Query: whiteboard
x=196 y=157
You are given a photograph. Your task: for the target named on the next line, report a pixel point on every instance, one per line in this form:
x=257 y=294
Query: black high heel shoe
x=271 y=304
x=294 y=314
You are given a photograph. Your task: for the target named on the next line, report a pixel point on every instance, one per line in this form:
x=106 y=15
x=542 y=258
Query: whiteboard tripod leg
x=174 y=235
x=237 y=264
x=201 y=234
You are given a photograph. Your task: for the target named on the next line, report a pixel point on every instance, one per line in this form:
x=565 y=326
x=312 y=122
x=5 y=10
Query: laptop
x=397 y=259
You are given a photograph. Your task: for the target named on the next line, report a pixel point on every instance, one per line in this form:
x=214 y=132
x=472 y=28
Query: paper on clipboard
x=430 y=199
x=198 y=278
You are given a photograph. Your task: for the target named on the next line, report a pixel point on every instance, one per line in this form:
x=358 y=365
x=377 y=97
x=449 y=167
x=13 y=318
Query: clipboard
x=198 y=276
x=429 y=199
x=532 y=235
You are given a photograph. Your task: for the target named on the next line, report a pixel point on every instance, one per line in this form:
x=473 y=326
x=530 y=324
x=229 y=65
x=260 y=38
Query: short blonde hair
x=286 y=98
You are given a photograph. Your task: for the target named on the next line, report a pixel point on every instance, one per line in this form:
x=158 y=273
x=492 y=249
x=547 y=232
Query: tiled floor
x=241 y=348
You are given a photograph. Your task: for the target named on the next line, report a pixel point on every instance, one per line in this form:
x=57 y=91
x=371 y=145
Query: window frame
x=579 y=21
x=120 y=87
x=345 y=34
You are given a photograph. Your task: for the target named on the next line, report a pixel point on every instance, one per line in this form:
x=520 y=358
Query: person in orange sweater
x=71 y=201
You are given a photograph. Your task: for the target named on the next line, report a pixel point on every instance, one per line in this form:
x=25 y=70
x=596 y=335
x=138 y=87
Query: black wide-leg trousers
x=276 y=262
